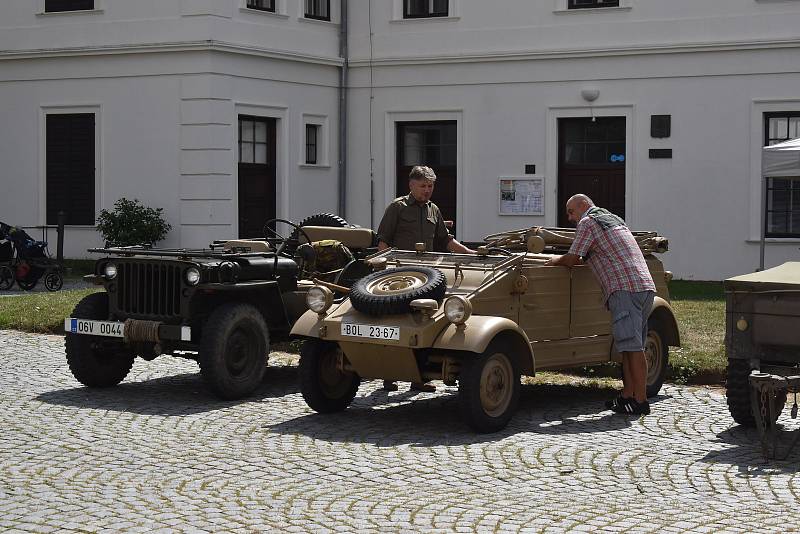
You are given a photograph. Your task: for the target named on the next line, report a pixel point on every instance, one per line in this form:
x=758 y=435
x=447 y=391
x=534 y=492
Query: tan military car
x=479 y=321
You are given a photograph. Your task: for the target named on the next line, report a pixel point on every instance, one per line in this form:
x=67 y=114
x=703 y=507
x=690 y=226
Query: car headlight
x=192 y=276
x=110 y=271
x=457 y=309
x=319 y=299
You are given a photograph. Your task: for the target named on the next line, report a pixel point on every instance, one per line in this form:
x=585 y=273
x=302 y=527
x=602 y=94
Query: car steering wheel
x=279 y=241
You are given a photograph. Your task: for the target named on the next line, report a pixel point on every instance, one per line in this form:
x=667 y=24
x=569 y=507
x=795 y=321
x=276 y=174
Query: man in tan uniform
x=415 y=219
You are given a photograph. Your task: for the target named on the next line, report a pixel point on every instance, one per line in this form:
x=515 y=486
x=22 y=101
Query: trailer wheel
x=737 y=390
x=96 y=361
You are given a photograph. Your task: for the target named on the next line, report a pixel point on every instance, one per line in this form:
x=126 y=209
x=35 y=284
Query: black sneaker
x=613 y=403
x=631 y=407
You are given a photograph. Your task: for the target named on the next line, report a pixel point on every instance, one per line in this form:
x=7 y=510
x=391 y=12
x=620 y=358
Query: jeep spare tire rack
x=390 y=292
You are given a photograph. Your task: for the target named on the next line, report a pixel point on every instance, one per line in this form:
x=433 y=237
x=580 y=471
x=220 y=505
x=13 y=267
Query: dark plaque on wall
x=660 y=153
x=530 y=169
x=660 y=126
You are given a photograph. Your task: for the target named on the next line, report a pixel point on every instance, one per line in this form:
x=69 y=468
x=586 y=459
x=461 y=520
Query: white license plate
x=93 y=328
x=371 y=331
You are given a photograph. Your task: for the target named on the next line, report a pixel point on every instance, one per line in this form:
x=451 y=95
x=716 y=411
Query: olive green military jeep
x=221 y=306
x=479 y=321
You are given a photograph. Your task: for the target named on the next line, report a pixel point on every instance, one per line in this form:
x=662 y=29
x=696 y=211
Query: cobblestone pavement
x=158 y=453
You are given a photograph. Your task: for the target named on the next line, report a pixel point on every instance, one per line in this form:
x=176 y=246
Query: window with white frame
x=261 y=5
x=417 y=9
x=318 y=9
x=589 y=4
x=60 y=6
x=782 y=211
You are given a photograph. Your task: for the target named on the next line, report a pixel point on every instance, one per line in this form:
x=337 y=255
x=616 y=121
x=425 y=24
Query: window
x=415 y=9
x=57 y=6
x=262 y=5
x=584 y=4
x=70 y=167
x=783 y=193
x=318 y=9
x=312 y=140
x=252 y=141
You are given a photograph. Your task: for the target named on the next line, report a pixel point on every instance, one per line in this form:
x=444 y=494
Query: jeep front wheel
x=488 y=389
x=234 y=350
x=325 y=387
x=96 y=361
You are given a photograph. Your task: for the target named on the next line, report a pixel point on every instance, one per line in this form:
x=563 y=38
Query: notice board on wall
x=521 y=195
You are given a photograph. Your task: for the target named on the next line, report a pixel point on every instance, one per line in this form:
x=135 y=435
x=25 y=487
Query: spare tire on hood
x=392 y=290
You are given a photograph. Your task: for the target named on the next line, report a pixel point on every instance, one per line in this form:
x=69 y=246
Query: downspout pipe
x=343 y=110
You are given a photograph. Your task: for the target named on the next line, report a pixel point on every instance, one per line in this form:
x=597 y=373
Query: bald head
x=577 y=206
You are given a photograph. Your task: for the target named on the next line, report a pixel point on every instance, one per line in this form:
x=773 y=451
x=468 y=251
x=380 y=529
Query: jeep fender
x=307 y=325
x=662 y=312
x=481 y=330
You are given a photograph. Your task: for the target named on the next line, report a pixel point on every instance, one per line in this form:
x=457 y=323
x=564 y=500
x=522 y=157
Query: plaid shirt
x=614 y=257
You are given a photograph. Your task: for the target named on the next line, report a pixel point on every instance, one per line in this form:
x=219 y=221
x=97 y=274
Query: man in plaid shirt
x=604 y=242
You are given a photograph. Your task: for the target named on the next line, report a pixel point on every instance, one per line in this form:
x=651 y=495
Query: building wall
x=169 y=77
x=167 y=111
x=715 y=74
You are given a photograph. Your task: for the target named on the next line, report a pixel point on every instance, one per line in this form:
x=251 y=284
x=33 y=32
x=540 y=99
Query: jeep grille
x=149 y=289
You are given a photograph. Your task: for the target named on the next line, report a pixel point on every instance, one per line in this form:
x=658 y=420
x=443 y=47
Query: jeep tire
x=656 y=352
x=325 y=387
x=391 y=291
x=96 y=361
x=233 y=350
x=488 y=389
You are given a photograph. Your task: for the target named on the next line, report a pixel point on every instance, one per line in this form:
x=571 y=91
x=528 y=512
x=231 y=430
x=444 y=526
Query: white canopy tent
x=777 y=161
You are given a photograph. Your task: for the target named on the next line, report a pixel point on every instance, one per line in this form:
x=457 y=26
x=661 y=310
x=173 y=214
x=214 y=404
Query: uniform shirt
x=614 y=257
x=407 y=222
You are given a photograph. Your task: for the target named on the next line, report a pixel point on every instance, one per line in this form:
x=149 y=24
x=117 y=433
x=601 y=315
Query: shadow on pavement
x=183 y=394
x=745 y=452
x=383 y=419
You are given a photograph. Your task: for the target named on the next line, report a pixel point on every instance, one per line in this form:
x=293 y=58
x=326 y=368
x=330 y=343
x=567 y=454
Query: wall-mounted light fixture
x=590 y=94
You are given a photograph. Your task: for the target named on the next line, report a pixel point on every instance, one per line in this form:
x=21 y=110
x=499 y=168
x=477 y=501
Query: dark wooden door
x=434 y=144
x=256 y=174
x=591 y=160
x=70 y=167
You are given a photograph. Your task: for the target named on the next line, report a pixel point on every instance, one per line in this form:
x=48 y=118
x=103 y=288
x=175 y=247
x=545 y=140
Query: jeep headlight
x=192 y=276
x=319 y=299
x=110 y=271
x=457 y=309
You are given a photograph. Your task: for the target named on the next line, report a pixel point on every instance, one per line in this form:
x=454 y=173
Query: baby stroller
x=25 y=261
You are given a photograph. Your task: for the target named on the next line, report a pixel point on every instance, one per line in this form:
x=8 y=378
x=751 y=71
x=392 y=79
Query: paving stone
x=159 y=453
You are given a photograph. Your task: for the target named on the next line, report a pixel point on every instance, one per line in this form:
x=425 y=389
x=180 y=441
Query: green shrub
x=131 y=223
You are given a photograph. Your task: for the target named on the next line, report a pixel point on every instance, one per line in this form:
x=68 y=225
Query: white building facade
x=213 y=110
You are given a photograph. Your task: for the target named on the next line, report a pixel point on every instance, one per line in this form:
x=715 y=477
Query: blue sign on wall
x=615 y=158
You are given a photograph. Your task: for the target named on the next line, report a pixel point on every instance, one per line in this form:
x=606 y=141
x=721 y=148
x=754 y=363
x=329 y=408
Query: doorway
x=257 y=185
x=435 y=144
x=591 y=160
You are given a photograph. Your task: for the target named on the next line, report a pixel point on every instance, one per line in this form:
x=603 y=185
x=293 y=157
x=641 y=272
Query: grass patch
x=75 y=269
x=40 y=312
x=699 y=309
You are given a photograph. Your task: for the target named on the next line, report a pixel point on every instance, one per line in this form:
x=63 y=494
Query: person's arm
x=454 y=246
x=382 y=245
x=567 y=260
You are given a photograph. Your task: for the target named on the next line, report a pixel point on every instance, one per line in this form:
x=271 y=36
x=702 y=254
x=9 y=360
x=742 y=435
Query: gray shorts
x=629 y=313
